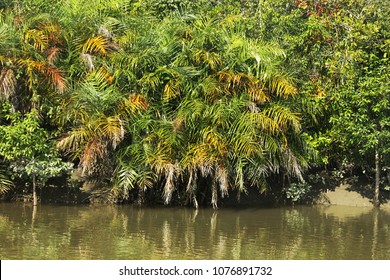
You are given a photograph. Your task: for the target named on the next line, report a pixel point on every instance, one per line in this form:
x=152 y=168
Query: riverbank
x=346 y=195
x=356 y=195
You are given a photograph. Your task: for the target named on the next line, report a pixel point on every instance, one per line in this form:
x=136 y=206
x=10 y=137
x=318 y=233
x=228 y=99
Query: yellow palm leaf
x=37 y=38
x=112 y=128
x=258 y=94
x=97 y=44
x=134 y=104
x=171 y=89
x=51 y=73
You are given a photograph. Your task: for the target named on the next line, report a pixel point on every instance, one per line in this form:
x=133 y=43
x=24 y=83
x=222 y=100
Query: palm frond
x=96 y=45
x=172 y=89
x=245 y=145
x=283 y=117
x=260 y=120
x=56 y=77
x=211 y=89
x=37 y=38
x=112 y=128
x=221 y=176
x=74 y=141
x=100 y=77
x=191 y=186
x=211 y=59
x=51 y=73
x=132 y=105
x=127 y=179
x=94 y=149
x=169 y=186
x=5 y=183
x=214 y=141
x=52 y=54
x=258 y=93
x=280 y=84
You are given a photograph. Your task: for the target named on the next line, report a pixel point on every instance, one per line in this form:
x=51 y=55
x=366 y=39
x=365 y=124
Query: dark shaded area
x=366 y=190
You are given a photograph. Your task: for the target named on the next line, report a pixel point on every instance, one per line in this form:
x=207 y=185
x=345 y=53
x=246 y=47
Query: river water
x=128 y=232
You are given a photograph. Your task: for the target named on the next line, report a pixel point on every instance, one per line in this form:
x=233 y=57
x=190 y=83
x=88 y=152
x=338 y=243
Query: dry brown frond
x=169 y=186
x=94 y=149
x=7 y=83
x=191 y=186
x=138 y=101
x=221 y=177
x=51 y=73
x=52 y=31
x=52 y=54
x=88 y=60
x=177 y=124
x=56 y=78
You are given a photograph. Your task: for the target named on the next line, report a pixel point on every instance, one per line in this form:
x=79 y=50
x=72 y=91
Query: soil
x=346 y=195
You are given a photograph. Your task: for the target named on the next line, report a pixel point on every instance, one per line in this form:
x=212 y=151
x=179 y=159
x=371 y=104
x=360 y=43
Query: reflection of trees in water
x=143 y=233
x=28 y=234
x=343 y=233
x=375 y=234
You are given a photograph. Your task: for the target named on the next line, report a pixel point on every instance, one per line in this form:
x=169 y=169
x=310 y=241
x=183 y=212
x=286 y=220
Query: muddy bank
x=346 y=195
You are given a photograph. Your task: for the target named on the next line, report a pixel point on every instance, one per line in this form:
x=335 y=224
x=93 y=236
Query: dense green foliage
x=193 y=100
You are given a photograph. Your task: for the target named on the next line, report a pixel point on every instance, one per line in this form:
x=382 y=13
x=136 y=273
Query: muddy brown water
x=127 y=232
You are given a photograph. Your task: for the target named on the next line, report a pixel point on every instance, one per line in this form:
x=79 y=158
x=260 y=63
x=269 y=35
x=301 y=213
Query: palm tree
x=142 y=102
x=95 y=110
x=28 y=52
x=216 y=105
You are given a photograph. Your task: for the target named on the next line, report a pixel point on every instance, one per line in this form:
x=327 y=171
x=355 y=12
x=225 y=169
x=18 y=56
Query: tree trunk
x=377 y=177
x=35 y=197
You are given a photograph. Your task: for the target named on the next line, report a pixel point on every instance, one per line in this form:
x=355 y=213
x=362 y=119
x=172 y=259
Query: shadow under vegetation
x=366 y=190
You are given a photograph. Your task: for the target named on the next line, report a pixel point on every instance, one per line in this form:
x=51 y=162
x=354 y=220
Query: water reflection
x=125 y=232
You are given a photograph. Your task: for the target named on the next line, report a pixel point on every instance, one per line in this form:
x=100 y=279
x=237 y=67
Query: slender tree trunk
x=35 y=197
x=377 y=177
